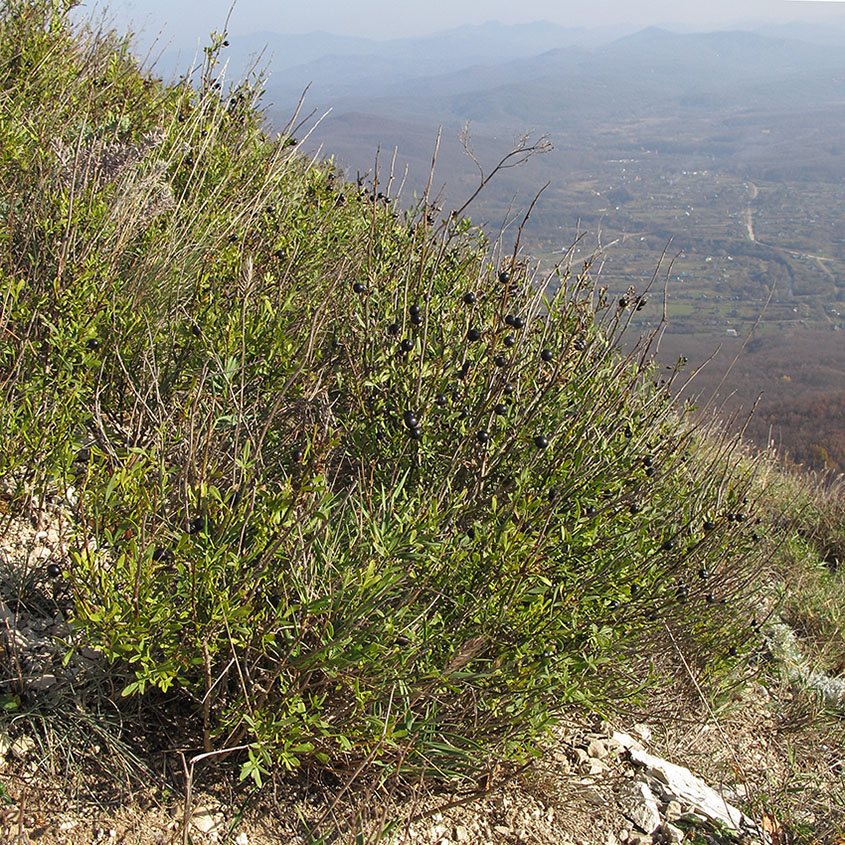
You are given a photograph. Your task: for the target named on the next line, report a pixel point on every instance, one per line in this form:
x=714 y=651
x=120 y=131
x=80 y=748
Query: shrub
x=334 y=505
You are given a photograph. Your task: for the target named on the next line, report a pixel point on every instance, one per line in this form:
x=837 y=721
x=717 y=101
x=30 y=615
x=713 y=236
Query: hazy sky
x=182 y=22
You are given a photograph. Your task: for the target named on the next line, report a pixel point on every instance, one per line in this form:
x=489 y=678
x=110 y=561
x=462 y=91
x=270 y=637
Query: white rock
x=638 y=804
x=626 y=741
x=643 y=731
x=674 y=834
x=460 y=834
x=680 y=784
x=242 y=839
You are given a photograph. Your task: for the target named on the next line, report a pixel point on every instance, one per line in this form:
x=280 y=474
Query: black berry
x=469 y=298
x=509 y=318
x=482 y=436
x=416 y=433
x=510 y=340
x=407 y=345
x=504 y=277
x=359 y=287
x=500 y=361
x=93 y=344
x=473 y=335
x=441 y=399
x=410 y=419
x=161 y=554
x=547 y=355
x=518 y=323
x=393 y=329
x=541 y=442
x=196 y=525
x=54 y=570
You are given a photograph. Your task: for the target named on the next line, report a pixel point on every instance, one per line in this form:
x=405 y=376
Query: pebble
x=22 y=746
x=597 y=749
x=206 y=821
x=672 y=812
x=674 y=835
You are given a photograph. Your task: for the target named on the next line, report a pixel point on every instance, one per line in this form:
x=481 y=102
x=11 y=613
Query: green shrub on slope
x=349 y=487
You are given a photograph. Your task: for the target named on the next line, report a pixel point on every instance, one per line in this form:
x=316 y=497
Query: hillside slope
x=328 y=488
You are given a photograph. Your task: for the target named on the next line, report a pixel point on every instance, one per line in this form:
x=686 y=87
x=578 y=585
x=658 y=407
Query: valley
x=707 y=166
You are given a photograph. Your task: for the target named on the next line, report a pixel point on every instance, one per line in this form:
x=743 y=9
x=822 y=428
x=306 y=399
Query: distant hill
x=325 y=58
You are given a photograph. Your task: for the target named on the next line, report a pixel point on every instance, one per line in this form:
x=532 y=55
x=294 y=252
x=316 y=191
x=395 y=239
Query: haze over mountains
x=726 y=147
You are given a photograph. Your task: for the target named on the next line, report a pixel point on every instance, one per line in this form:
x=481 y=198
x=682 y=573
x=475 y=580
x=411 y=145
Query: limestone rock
x=640 y=806
x=679 y=784
x=626 y=741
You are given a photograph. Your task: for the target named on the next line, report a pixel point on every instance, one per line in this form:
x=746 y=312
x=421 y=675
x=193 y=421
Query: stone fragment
x=207 y=821
x=672 y=835
x=598 y=767
x=597 y=749
x=460 y=833
x=673 y=811
x=43 y=682
x=242 y=839
x=626 y=741
x=643 y=731
x=678 y=783
x=22 y=746
x=638 y=804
